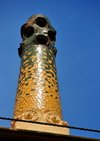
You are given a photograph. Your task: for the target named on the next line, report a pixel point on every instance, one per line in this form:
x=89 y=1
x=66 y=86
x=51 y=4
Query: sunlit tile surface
x=37 y=84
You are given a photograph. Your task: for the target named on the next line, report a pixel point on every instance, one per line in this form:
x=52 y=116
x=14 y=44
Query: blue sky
x=78 y=59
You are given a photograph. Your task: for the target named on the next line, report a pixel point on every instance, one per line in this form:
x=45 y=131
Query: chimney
x=37 y=96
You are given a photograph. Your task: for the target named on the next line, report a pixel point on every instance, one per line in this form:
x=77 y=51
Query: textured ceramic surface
x=37 y=84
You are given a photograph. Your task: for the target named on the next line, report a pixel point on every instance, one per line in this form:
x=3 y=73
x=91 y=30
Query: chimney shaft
x=37 y=97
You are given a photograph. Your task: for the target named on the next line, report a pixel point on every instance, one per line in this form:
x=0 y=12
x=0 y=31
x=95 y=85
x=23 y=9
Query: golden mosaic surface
x=37 y=84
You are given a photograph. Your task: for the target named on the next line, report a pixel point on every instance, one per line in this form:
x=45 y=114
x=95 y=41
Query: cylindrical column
x=37 y=97
x=38 y=85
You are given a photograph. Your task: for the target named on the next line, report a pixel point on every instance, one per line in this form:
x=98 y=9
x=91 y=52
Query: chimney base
x=41 y=128
x=36 y=115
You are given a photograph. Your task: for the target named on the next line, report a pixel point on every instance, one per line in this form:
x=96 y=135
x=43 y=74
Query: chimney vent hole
x=41 y=39
x=41 y=22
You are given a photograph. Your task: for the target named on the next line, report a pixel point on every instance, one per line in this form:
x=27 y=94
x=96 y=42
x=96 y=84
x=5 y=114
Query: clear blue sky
x=78 y=59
